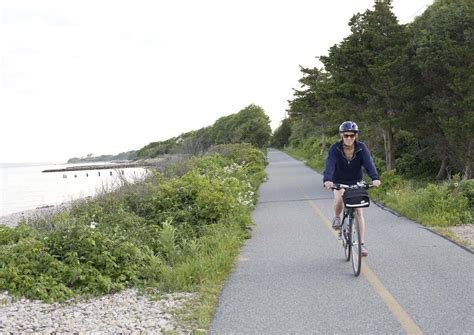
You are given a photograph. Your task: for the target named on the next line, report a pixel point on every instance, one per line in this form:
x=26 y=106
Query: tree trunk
x=467 y=172
x=442 y=169
x=389 y=146
x=323 y=145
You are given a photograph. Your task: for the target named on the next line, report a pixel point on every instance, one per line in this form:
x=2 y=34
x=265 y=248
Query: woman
x=343 y=165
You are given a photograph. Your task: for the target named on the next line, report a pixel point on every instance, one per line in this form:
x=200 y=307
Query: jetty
x=108 y=166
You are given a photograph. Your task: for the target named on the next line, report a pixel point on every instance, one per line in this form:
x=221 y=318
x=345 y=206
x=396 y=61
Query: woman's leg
x=338 y=205
x=360 y=216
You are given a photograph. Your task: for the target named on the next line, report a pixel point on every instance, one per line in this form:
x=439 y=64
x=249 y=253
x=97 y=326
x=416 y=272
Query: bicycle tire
x=356 y=252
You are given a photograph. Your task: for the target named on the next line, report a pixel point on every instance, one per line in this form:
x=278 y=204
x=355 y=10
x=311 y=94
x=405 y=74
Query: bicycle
x=355 y=196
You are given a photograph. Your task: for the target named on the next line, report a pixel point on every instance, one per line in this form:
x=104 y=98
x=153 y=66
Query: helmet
x=348 y=126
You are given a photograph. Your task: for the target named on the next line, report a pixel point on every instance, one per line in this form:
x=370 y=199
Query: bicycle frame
x=349 y=232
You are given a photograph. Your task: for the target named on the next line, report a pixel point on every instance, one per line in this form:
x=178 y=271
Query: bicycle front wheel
x=356 y=252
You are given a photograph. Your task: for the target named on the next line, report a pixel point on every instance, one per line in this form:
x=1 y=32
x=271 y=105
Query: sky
x=109 y=76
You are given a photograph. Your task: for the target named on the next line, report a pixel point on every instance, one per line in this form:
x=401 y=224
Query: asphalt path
x=291 y=276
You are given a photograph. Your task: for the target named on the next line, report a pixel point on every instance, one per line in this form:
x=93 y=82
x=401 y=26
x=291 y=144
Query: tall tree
x=369 y=69
x=311 y=108
x=442 y=51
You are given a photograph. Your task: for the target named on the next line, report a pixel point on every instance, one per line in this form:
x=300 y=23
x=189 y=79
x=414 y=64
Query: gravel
x=464 y=232
x=125 y=312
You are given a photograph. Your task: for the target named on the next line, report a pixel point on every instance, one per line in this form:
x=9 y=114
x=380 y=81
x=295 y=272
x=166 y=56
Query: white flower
x=93 y=224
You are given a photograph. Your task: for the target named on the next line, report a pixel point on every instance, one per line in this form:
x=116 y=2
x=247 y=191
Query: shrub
x=176 y=232
x=443 y=204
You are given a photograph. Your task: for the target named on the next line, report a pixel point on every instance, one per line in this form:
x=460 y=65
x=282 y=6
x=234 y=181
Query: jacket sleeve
x=369 y=165
x=330 y=164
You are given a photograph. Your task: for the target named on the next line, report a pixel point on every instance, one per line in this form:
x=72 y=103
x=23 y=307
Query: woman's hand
x=376 y=182
x=328 y=184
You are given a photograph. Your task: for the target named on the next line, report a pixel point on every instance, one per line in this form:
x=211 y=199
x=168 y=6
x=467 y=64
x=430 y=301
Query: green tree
x=281 y=135
x=442 y=50
x=251 y=125
x=311 y=110
x=369 y=71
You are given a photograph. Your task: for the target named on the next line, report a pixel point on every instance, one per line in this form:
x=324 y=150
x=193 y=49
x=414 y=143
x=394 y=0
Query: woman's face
x=349 y=138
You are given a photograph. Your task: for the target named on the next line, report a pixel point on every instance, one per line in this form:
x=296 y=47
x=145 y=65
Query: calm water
x=24 y=186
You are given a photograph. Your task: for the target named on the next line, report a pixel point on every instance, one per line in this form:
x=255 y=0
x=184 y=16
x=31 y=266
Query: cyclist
x=343 y=165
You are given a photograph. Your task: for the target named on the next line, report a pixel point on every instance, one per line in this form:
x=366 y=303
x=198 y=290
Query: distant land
x=90 y=158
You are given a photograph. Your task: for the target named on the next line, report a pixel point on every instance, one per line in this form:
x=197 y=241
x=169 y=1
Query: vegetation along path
x=292 y=278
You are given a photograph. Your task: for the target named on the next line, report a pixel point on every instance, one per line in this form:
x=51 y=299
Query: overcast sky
x=103 y=77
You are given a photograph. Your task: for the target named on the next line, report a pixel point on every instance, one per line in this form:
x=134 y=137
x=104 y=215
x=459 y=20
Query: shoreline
x=12 y=220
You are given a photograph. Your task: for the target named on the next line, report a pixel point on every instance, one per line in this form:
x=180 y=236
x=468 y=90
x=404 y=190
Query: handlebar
x=359 y=185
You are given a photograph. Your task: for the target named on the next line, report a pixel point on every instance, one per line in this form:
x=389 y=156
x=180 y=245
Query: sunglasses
x=349 y=135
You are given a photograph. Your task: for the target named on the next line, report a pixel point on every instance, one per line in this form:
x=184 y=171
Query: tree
x=311 y=110
x=281 y=135
x=251 y=125
x=442 y=50
x=369 y=71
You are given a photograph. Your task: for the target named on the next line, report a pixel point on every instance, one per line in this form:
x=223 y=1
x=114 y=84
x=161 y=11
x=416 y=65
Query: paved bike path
x=291 y=276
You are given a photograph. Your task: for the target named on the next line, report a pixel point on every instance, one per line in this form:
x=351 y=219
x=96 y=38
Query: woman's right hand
x=328 y=184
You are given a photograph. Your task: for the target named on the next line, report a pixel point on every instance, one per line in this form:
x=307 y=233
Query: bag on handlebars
x=356 y=198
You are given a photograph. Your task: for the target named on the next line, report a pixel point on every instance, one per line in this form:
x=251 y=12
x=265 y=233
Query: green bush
x=391 y=184
x=309 y=149
x=443 y=204
x=172 y=233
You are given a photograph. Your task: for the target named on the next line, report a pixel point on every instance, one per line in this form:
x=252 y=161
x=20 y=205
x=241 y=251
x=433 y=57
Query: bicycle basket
x=356 y=198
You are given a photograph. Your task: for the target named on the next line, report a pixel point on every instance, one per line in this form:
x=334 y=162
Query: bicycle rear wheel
x=356 y=254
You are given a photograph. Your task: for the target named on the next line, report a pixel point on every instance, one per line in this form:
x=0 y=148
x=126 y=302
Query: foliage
x=129 y=155
x=444 y=204
x=250 y=125
x=177 y=234
x=310 y=151
x=281 y=135
x=442 y=49
x=409 y=87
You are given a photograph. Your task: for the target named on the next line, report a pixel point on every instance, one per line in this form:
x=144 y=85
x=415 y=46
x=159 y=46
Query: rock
x=125 y=312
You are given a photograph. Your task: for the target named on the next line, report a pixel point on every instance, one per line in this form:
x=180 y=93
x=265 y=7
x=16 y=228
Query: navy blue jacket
x=339 y=169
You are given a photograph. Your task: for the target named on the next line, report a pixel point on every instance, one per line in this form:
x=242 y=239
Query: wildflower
x=93 y=224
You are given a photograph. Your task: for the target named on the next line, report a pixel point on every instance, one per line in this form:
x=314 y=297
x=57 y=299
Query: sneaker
x=336 y=223
x=364 y=251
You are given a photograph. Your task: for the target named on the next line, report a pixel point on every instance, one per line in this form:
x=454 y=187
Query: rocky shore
x=126 y=312
x=12 y=220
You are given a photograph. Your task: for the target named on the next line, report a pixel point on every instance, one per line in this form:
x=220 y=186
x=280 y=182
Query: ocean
x=25 y=186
